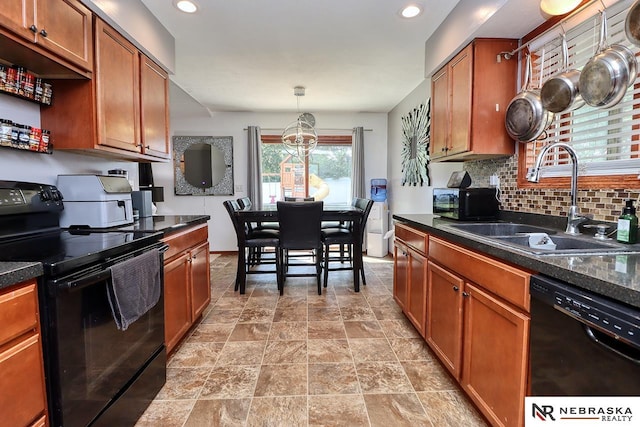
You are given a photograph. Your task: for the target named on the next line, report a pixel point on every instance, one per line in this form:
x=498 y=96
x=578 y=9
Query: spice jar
x=44 y=141
x=34 y=138
x=23 y=136
x=37 y=90
x=47 y=92
x=28 y=85
x=3 y=77
x=6 y=127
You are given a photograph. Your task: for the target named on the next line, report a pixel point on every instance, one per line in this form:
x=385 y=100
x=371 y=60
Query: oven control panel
x=26 y=197
x=11 y=197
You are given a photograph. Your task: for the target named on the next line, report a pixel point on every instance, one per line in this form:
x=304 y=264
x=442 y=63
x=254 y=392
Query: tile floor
x=340 y=359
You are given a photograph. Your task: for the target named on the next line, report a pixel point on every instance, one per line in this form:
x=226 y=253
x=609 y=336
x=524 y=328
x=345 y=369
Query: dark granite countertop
x=166 y=223
x=611 y=275
x=16 y=272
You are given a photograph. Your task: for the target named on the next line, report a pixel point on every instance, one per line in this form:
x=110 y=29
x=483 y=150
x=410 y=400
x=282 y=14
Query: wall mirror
x=203 y=165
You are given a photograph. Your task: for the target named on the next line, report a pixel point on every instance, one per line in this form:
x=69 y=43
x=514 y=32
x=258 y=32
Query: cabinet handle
x=193 y=257
x=43 y=33
x=456 y=289
x=190 y=259
x=444 y=149
x=465 y=294
x=33 y=28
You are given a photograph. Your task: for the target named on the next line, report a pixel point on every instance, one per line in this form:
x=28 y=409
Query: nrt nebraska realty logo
x=581 y=411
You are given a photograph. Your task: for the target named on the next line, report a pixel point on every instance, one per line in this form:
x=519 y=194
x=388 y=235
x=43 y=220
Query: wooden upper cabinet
x=62 y=27
x=117 y=90
x=469 y=97
x=154 y=102
x=122 y=113
x=18 y=16
x=65 y=27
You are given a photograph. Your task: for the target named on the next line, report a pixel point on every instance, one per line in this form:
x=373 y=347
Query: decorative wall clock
x=415 y=145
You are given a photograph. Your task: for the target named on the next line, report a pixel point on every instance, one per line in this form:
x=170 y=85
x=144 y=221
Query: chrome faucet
x=574 y=219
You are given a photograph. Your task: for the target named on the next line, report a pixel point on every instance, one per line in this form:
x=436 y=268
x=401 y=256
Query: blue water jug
x=379 y=190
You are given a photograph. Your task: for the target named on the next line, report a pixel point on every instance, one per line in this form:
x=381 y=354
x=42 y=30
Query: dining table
x=330 y=212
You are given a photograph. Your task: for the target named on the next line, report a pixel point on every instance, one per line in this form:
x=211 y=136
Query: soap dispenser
x=628 y=224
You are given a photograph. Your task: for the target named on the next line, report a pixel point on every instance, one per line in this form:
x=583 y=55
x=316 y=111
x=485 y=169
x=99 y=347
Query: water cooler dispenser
x=378 y=222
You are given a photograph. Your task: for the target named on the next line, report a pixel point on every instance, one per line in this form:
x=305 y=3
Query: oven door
x=90 y=362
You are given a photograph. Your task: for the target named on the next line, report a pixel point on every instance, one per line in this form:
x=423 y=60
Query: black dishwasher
x=582 y=344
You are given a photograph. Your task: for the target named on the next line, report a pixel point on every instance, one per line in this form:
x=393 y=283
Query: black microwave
x=465 y=204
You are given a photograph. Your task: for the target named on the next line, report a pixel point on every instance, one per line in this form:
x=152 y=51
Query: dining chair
x=299 y=230
x=255 y=254
x=249 y=241
x=350 y=236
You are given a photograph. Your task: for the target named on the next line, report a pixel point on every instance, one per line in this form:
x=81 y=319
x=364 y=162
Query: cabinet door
x=200 y=280
x=400 y=274
x=460 y=86
x=154 y=101
x=22 y=390
x=444 y=316
x=65 y=28
x=117 y=90
x=18 y=17
x=177 y=304
x=417 y=307
x=439 y=114
x=495 y=357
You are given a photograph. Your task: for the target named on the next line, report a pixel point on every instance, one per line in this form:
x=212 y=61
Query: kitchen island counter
x=613 y=276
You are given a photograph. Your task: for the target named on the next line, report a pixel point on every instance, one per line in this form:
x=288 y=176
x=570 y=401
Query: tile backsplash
x=603 y=204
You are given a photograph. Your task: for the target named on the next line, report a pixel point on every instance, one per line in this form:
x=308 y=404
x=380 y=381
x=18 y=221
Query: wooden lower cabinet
x=401 y=274
x=494 y=372
x=22 y=385
x=410 y=283
x=444 y=322
x=186 y=282
x=476 y=320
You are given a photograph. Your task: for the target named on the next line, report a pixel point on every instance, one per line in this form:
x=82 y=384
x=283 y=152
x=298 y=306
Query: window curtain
x=254 y=169
x=357 y=168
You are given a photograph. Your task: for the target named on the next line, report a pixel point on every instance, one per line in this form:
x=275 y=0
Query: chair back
x=300 y=224
x=244 y=202
x=232 y=206
x=365 y=205
x=299 y=199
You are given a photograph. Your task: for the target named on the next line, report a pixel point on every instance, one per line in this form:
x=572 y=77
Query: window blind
x=607 y=141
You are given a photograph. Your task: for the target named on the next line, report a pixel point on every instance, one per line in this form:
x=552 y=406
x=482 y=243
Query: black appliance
x=96 y=374
x=582 y=344
x=465 y=204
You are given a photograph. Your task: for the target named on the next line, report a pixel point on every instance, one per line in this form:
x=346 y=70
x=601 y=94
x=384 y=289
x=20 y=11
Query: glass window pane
x=330 y=173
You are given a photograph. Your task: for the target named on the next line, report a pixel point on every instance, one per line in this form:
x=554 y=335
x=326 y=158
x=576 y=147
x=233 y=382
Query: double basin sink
x=517 y=236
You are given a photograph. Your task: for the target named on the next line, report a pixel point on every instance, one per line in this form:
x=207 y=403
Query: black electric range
x=97 y=372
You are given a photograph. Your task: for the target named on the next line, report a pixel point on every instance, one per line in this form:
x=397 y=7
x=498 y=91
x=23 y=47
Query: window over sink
x=607 y=141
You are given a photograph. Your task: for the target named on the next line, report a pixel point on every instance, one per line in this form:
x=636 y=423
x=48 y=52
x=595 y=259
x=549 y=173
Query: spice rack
x=24 y=137
x=17 y=81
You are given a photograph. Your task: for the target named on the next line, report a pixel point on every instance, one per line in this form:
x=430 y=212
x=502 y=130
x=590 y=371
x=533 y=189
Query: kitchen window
x=325 y=174
x=607 y=141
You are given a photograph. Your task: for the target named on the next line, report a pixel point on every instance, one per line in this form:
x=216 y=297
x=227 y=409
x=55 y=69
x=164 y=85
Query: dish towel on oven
x=135 y=287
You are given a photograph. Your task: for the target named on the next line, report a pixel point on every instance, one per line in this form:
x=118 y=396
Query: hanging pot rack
x=509 y=55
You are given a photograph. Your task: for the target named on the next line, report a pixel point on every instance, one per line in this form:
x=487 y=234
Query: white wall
x=18 y=165
x=221 y=234
x=412 y=199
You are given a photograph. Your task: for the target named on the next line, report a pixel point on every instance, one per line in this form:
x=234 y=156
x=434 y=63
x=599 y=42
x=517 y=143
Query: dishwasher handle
x=592 y=335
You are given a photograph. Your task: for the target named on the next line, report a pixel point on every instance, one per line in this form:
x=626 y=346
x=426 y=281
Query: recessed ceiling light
x=186 y=6
x=411 y=11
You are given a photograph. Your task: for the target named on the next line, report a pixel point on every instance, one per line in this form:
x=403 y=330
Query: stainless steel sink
x=566 y=245
x=500 y=228
x=516 y=236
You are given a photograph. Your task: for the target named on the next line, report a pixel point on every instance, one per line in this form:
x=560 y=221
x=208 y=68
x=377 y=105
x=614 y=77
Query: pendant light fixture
x=300 y=137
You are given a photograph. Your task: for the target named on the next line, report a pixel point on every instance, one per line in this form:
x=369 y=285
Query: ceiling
x=351 y=55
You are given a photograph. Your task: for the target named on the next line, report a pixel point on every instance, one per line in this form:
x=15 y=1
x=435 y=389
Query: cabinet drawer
x=22 y=396
x=503 y=280
x=414 y=238
x=18 y=312
x=183 y=240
